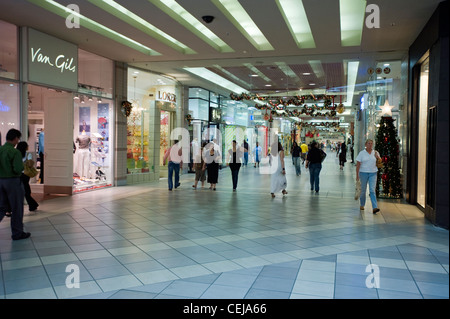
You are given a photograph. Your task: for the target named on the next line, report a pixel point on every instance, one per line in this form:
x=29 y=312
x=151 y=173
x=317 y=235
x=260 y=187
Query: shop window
x=92 y=148
x=9 y=65
x=9 y=108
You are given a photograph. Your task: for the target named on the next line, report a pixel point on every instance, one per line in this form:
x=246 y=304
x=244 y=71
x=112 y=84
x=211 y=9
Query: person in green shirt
x=11 y=188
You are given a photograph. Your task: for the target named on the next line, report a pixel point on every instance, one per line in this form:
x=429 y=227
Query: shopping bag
x=357 y=190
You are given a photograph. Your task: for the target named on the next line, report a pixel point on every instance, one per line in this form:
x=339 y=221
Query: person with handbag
x=366 y=172
x=25 y=177
x=11 y=189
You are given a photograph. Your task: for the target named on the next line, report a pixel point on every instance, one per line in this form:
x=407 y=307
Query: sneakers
x=24 y=235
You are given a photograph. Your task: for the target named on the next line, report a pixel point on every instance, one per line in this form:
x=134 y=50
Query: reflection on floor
x=143 y=241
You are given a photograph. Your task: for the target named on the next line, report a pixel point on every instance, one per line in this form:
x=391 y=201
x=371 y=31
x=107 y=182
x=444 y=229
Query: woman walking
x=342 y=155
x=366 y=171
x=32 y=204
x=278 y=180
x=296 y=152
x=314 y=162
x=212 y=161
x=234 y=155
x=200 y=172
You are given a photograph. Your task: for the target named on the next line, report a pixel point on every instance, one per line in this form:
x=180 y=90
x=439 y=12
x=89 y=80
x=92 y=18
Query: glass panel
x=9 y=66
x=422 y=143
x=138 y=123
x=198 y=93
x=9 y=108
x=165 y=135
x=95 y=74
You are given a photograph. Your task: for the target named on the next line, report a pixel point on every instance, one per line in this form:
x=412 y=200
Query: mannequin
x=83 y=155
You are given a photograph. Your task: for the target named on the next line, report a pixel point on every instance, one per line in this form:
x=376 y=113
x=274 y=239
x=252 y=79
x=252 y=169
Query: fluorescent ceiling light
x=352 y=13
x=187 y=20
x=257 y=72
x=316 y=66
x=216 y=79
x=295 y=17
x=231 y=75
x=136 y=21
x=352 y=72
x=287 y=70
x=87 y=23
x=233 y=10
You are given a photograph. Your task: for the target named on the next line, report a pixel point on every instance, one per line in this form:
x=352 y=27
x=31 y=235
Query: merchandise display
x=137 y=142
x=91 y=158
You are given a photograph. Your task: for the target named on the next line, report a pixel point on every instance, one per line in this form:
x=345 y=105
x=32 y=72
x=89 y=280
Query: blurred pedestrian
x=11 y=188
x=314 y=163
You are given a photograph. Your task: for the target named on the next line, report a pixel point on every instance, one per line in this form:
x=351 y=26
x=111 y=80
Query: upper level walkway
x=142 y=241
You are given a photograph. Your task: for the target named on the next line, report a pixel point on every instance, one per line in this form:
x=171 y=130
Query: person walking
x=234 y=160
x=200 y=172
x=314 y=163
x=296 y=152
x=212 y=160
x=173 y=157
x=366 y=172
x=32 y=204
x=11 y=188
x=342 y=155
x=278 y=181
x=258 y=153
x=246 y=149
x=41 y=155
x=304 y=148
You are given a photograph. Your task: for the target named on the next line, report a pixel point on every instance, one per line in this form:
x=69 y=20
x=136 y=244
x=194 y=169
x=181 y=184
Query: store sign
x=167 y=97
x=52 y=61
x=4 y=108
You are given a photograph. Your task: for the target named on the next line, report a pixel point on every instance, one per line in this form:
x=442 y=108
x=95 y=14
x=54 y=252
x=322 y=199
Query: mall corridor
x=144 y=242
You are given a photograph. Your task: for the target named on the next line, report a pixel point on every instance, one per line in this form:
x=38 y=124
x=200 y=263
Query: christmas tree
x=388 y=179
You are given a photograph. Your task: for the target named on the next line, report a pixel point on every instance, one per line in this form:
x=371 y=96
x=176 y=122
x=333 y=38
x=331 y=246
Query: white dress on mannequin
x=83 y=155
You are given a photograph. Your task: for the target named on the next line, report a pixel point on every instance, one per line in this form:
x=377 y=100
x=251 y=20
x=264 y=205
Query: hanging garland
x=277 y=101
x=309 y=111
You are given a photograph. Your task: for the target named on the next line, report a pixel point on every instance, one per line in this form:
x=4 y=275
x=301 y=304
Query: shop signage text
x=167 y=97
x=60 y=62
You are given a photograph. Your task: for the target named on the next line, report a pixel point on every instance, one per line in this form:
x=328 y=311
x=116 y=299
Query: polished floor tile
x=143 y=242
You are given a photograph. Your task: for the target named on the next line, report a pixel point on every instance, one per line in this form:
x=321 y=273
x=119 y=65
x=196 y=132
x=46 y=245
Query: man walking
x=173 y=157
x=11 y=188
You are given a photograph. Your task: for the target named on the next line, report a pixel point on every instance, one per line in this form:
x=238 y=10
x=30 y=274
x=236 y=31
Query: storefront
x=63 y=96
x=155 y=113
x=427 y=110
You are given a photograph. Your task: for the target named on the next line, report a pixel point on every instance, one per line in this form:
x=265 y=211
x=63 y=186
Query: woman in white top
x=366 y=171
x=278 y=180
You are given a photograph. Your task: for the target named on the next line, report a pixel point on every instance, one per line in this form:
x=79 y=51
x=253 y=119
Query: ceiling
x=282 y=64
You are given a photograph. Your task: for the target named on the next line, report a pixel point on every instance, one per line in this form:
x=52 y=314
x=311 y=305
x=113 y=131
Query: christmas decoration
x=188 y=118
x=388 y=179
x=386 y=109
x=126 y=108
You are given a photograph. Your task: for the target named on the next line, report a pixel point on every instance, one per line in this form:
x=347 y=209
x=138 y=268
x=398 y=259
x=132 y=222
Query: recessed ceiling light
x=254 y=75
x=306 y=73
x=312 y=83
x=268 y=85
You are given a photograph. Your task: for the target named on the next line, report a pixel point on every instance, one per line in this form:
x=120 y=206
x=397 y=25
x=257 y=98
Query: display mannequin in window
x=83 y=155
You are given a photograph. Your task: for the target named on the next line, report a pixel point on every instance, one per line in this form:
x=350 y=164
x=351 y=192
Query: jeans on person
x=245 y=158
x=174 y=167
x=314 y=171
x=371 y=179
x=234 y=177
x=296 y=161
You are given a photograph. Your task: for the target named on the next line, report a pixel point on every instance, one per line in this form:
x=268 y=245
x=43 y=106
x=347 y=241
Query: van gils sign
x=52 y=61
x=60 y=62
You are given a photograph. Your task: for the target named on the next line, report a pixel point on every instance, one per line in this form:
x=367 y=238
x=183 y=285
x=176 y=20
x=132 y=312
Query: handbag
x=29 y=169
x=357 y=189
x=322 y=156
x=379 y=161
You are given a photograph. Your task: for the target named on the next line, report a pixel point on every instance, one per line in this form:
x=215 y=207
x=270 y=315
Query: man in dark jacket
x=11 y=188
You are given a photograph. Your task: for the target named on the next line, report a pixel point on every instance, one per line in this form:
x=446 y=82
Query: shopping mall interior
x=111 y=84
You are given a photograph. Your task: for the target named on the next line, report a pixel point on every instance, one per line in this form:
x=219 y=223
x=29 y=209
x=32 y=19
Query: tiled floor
x=142 y=241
